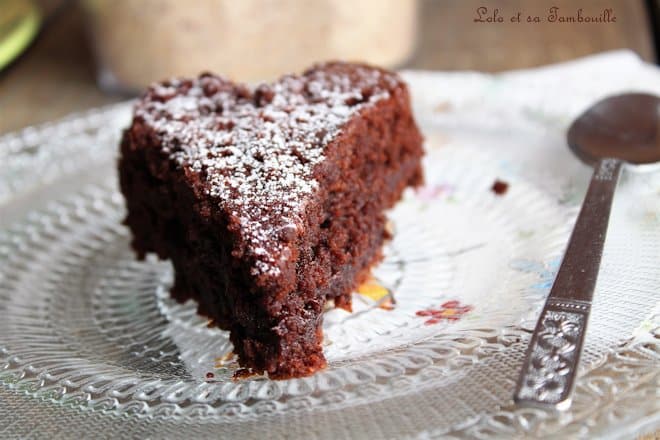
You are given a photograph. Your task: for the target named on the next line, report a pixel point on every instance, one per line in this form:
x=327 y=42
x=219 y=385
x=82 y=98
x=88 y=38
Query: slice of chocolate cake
x=269 y=201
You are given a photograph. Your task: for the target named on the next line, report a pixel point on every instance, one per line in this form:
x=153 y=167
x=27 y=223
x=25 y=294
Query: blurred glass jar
x=140 y=41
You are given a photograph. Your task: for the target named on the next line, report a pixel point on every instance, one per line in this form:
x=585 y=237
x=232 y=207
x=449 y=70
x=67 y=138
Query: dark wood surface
x=57 y=75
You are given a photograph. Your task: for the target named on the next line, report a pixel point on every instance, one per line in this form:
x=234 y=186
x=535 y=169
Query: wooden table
x=57 y=75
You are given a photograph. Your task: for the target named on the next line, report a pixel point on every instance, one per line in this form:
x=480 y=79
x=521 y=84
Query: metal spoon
x=618 y=129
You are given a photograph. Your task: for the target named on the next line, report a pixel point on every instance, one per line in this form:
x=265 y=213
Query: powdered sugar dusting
x=256 y=149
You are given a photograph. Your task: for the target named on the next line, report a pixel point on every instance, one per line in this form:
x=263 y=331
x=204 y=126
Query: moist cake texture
x=269 y=201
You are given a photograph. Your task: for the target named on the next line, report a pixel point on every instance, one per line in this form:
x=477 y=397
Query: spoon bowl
x=624 y=127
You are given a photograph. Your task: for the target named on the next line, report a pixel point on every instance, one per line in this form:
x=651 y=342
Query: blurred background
x=61 y=56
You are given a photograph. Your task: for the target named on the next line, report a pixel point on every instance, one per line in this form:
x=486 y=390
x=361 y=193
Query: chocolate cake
x=269 y=201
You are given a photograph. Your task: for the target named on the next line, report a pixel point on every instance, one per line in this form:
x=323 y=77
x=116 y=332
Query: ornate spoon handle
x=553 y=356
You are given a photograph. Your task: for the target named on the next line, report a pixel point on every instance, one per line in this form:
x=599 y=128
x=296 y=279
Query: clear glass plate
x=90 y=341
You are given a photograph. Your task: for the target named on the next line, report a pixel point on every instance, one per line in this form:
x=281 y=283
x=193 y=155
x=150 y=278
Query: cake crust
x=269 y=201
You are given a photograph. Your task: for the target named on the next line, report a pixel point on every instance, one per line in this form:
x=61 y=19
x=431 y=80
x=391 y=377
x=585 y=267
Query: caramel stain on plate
x=222 y=361
x=375 y=291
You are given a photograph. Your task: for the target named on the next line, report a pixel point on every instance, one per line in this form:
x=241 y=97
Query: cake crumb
x=499 y=187
x=243 y=373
